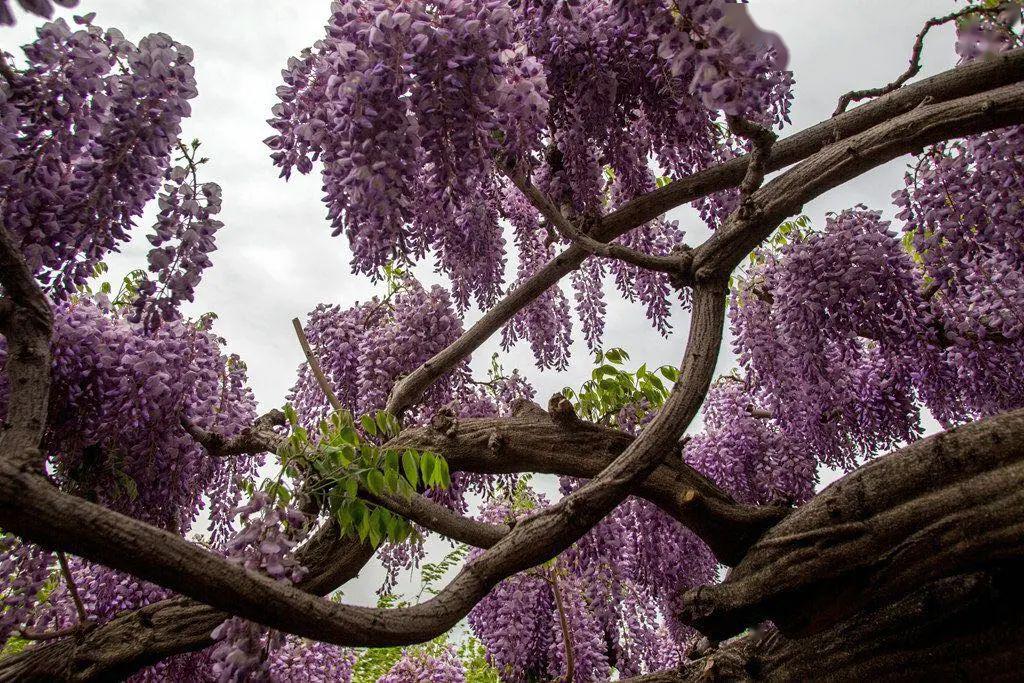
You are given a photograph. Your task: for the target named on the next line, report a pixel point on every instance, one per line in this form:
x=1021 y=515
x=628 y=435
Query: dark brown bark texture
x=909 y=568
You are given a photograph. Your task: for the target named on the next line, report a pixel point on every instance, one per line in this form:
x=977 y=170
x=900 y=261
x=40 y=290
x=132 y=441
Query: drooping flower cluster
x=270 y=531
x=616 y=590
x=823 y=329
x=404 y=105
x=411 y=107
x=182 y=240
x=424 y=667
x=364 y=349
x=298 y=661
x=88 y=131
x=43 y=8
x=743 y=450
x=961 y=208
x=983 y=34
x=119 y=395
x=24 y=570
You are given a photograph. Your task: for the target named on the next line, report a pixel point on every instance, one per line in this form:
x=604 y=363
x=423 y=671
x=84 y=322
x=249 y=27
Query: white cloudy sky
x=276 y=258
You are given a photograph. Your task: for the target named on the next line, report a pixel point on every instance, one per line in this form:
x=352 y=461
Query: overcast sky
x=276 y=258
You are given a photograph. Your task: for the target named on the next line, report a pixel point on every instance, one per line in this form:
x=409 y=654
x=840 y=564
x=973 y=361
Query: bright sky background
x=276 y=259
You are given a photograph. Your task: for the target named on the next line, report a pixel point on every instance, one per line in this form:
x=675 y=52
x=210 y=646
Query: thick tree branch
x=36 y=511
x=969 y=625
x=532 y=440
x=979 y=76
x=259 y=438
x=786 y=195
x=140 y=638
x=26 y=322
x=943 y=506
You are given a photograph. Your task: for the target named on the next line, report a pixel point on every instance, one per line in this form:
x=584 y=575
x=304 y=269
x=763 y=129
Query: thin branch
x=570 y=658
x=761 y=140
x=51 y=635
x=6 y=71
x=314 y=367
x=438 y=518
x=787 y=194
x=676 y=264
x=970 y=79
x=915 y=58
x=69 y=581
x=259 y=438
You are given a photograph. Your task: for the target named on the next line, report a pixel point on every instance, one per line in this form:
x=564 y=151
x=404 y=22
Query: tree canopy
x=155 y=526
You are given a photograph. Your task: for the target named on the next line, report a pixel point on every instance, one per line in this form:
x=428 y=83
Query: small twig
x=915 y=58
x=759 y=413
x=676 y=264
x=83 y=616
x=314 y=367
x=761 y=140
x=7 y=72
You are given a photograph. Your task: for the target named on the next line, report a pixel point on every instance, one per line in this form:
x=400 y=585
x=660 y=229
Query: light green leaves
x=612 y=388
x=348 y=466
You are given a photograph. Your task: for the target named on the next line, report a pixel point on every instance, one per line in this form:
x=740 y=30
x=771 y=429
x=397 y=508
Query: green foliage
x=16 y=644
x=346 y=462
x=372 y=664
x=432 y=573
x=611 y=388
x=474 y=659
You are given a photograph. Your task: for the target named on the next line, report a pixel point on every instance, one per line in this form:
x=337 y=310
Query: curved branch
x=979 y=76
x=914 y=67
x=440 y=519
x=786 y=195
x=314 y=367
x=677 y=265
x=27 y=323
x=33 y=509
x=945 y=505
x=136 y=639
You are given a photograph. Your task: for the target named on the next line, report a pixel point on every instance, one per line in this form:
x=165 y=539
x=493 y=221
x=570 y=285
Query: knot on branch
x=496 y=442
x=562 y=412
x=444 y=422
x=269 y=419
x=524 y=407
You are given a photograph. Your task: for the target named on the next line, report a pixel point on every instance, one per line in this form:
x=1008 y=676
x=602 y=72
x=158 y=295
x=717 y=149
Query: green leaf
x=391 y=460
x=375 y=482
x=405 y=489
x=369 y=425
x=428 y=465
x=290 y=414
x=391 y=481
x=616 y=356
x=377 y=525
x=348 y=435
x=445 y=478
x=410 y=467
x=669 y=372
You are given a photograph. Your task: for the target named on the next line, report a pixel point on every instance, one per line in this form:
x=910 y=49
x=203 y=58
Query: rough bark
x=967 y=627
x=946 y=506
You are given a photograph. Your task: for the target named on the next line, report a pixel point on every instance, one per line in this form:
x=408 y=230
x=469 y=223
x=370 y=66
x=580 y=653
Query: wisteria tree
x=156 y=528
